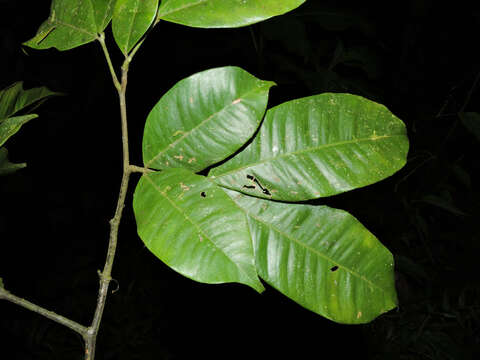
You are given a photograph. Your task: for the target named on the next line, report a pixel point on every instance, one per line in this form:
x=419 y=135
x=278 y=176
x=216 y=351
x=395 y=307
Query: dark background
x=419 y=58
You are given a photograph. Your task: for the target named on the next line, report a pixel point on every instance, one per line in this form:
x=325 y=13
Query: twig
x=90 y=336
x=6 y=295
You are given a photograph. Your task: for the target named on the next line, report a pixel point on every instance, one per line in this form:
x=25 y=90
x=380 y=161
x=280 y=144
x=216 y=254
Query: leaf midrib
x=313 y=250
x=323 y=146
x=186 y=6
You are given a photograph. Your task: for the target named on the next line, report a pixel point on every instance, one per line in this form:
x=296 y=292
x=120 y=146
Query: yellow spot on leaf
x=179 y=157
x=191 y=160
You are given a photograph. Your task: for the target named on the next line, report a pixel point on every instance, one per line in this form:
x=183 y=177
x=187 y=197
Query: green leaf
x=204 y=118
x=322 y=258
x=223 y=13
x=131 y=19
x=195 y=228
x=6 y=167
x=72 y=23
x=318 y=146
x=471 y=120
x=10 y=126
x=14 y=98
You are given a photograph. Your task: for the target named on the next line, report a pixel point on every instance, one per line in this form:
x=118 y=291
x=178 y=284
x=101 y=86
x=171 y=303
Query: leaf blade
x=131 y=20
x=14 y=98
x=6 y=167
x=10 y=126
x=322 y=258
x=318 y=146
x=204 y=118
x=72 y=23
x=194 y=227
x=223 y=13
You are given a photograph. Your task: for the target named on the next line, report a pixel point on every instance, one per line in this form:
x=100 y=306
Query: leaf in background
x=318 y=146
x=6 y=167
x=195 y=228
x=471 y=120
x=131 y=19
x=223 y=13
x=72 y=23
x=322 y=258
x=442 y=203
x=10 y=126
x=204 y=118
x=14 y=98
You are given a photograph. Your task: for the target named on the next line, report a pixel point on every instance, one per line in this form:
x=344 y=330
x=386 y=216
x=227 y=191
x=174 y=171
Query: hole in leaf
x=250 y=177
x=249 y=186
x=335 y=268
x=202 y=194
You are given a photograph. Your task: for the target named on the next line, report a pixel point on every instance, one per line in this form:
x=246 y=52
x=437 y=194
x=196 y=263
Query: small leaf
x=223 y=13
x=322 y=258
x=204 y=118
x=318 y=146
x=6 y=167
x=10 y=126
x=131 y=19
x=14 y=98
x=72 y=23
x=2 y=285
x=204 y=238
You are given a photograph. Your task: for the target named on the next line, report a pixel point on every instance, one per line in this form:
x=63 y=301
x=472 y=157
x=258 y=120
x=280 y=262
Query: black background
x=419 y=58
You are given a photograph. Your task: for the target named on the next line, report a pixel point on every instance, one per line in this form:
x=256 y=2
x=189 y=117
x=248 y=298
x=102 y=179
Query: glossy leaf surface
x=10 y=126
x=6 y=167
x=131 y=19
x=195 y=228
x=14 y=98
x=204 y=118
x=223 y=13
x=72 y=23
x=322 y=258
x=318 y=146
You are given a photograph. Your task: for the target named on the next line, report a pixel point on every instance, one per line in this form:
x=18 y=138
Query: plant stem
x=6 y=295
x=101 y=40
x=105 y=276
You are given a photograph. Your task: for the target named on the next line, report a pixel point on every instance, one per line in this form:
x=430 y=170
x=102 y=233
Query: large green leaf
x=6 y=167
x=195 y=228
x=10 y=126
x=204 y=118
x=14 y=98
x=223 y=13
x=322 y=258
x=73 y=23
x=318 y=146
x=131 y=19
